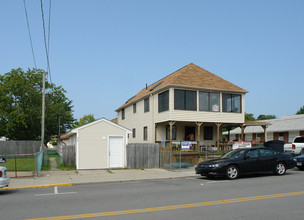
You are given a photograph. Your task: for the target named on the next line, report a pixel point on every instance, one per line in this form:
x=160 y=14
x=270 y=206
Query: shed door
x=115 y=151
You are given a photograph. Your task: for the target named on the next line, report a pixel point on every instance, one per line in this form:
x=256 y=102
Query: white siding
x=93 y=145
x=139 y=120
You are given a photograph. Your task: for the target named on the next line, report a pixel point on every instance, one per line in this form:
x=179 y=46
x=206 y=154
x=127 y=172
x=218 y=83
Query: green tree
x=249 y=117
x=86 y=119
x=301 y=111
x=266 y=117
x=21 y=106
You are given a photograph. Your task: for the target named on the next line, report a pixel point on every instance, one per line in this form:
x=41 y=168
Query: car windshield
x=234 y=154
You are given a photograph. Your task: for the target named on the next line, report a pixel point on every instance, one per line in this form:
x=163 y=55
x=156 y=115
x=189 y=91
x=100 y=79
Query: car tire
x=280 y=169
x=232 y=172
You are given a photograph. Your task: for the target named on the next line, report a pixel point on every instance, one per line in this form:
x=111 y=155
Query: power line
x=29 y=31
x=45 y=44
x=49 y=31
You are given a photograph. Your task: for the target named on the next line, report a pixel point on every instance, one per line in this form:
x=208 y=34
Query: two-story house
x=191 y=104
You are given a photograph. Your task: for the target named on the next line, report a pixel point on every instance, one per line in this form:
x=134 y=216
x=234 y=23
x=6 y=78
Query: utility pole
x=42 y=119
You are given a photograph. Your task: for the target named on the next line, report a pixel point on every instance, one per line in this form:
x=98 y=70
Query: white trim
x=77 y=151
x=95 y=122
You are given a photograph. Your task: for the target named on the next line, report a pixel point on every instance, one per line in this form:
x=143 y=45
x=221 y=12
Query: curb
x=38 y=186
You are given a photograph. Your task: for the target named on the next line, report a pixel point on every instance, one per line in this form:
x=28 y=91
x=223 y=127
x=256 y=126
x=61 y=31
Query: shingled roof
x=190 y=75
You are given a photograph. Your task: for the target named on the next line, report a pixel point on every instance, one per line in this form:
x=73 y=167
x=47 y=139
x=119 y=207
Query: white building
x=190 y=104
x=99 y=145
x=285 y=129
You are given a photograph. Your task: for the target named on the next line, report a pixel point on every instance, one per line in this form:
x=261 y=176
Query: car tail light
x=293 y=146
x=0 y=173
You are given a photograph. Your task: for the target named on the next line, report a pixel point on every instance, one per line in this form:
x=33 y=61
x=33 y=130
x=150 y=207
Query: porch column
x=228 y=129
x=155 y=135
x=199 y=124
x=218 y=125
x=242 y=131
x=265 y=132
x=171 y=123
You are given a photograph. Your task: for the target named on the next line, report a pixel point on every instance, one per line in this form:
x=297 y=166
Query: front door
x=115 y=152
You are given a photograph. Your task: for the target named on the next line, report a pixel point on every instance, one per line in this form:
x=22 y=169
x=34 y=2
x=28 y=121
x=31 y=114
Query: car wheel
x=232 y=172
x=280 y=169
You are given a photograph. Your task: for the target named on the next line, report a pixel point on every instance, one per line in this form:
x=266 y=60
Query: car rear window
x=299 y=140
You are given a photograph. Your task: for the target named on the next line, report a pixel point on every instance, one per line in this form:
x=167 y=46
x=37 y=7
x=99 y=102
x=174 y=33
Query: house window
x=145 y=133
x=209 y=101
x=123 y=114
x=281 y=136
x=133 y=132
x=231 y=103
x=163 y=101
x=185 y=100
x=168 y=132
x=134 y=108
x=208 y=133
x=146 y=105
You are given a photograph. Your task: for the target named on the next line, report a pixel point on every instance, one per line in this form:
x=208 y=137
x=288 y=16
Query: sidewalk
x=57 y=177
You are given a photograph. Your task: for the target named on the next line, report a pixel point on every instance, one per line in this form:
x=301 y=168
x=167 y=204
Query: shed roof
x=75 y=131
x=190 y=75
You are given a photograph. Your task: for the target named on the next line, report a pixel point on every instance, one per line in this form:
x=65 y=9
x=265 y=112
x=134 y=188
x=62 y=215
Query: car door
x=268 y=159
x=250 y=162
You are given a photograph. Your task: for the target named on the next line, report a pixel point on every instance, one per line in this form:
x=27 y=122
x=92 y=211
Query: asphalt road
x=250 y=197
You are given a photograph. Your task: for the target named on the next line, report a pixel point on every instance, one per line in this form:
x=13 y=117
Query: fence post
x=15 y=166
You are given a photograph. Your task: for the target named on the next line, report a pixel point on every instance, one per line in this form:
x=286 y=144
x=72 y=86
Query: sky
x=102 y=52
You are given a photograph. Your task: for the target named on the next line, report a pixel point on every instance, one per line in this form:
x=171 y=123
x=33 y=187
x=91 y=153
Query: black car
x=248 y=160
x=300 y=162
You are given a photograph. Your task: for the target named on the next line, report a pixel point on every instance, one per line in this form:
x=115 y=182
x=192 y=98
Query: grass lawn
x=29 y=164
x=23 y=164
x=60 y=165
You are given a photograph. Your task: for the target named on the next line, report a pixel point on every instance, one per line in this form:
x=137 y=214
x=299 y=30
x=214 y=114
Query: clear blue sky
x=104 y=51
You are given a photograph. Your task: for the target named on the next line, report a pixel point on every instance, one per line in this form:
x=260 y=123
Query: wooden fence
x=19 y=147
x=68 y=155
x=142 y=156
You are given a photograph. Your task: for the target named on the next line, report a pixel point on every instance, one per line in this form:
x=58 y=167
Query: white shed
x=100 y=145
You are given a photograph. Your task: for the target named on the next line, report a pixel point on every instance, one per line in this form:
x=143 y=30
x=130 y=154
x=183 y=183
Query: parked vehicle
x=296 y=147
x=4 y=179
x=300 y=162
x=248 y=160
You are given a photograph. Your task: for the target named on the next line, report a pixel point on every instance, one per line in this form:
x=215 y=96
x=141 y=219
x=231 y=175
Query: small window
x=146 y=105
x=208 y=133
x=145 y=133
x=134 y=108
x=163 y=101
x=123 y=114
x=299 y=140
x=168 y=132
x=133 y=132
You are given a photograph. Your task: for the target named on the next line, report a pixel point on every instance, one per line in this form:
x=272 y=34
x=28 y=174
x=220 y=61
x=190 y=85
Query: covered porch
x=191 y=142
